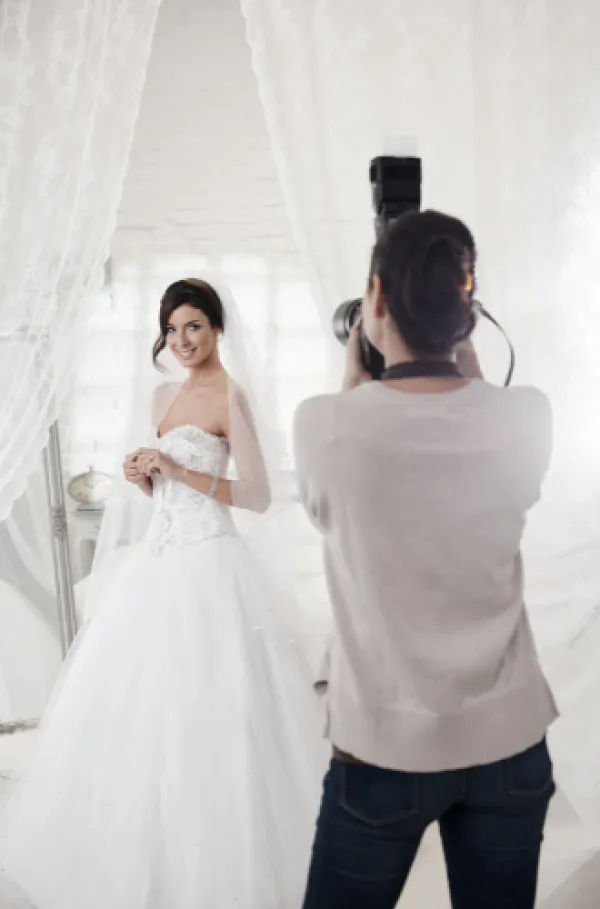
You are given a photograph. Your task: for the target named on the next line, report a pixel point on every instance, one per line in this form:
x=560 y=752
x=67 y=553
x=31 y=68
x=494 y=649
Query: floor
x=570 y=868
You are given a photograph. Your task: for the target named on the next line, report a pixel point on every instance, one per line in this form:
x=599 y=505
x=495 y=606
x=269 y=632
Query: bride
x=179 y=765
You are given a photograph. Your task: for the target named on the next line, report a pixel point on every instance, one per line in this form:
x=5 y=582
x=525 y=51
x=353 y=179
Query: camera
x=395 y=189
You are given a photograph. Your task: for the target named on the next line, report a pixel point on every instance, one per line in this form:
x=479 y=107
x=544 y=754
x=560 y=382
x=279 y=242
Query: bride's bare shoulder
x=235 y=392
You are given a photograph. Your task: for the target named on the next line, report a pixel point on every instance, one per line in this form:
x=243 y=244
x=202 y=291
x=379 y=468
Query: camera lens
x=344 y=318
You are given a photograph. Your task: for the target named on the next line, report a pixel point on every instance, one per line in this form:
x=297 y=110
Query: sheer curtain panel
x=71 y=74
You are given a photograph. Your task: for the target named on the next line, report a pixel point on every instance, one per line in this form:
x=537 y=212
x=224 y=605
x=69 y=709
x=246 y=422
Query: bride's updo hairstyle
x=425 y=262
x=190 y=292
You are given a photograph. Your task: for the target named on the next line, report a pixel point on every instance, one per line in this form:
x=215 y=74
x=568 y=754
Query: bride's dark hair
x=190 y=292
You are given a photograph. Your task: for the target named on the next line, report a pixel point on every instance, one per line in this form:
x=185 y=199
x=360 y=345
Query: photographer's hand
x=356 y=373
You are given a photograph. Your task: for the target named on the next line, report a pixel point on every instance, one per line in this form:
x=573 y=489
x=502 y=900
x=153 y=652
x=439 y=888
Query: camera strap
x=423 y=369
x=511 y=366
x=445 y=369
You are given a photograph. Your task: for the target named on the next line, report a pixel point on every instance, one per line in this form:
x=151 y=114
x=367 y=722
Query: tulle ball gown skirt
x=180 y=763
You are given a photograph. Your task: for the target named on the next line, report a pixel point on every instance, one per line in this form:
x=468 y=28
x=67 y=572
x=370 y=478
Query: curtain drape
x=71 y=73
x=500 y=100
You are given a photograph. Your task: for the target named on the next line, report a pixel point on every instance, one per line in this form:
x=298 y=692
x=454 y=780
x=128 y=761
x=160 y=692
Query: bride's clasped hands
x=141 y=464
x=148 y=461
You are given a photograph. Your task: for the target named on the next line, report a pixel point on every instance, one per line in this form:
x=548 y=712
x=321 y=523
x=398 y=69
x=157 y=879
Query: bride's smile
x=191 y=338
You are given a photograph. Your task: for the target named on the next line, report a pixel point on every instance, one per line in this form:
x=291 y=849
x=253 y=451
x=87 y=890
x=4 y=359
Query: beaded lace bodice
x=182 y=516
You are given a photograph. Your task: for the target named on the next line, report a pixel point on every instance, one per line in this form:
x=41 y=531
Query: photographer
x=420 y=484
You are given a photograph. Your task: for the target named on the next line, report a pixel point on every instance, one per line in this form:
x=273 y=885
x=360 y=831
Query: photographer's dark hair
x=422 y=261
x=193 y=292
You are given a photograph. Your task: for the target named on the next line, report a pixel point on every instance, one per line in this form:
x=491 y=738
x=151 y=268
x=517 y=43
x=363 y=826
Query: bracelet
x=213 y=488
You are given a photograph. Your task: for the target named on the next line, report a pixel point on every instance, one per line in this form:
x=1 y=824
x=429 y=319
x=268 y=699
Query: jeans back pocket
x=529 y=775
x=376 y=796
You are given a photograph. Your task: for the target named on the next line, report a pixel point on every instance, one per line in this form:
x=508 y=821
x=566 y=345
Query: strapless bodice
x=182 y=516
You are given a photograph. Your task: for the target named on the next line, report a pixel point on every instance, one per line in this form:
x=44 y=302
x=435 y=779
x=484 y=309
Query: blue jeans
x=491 y=822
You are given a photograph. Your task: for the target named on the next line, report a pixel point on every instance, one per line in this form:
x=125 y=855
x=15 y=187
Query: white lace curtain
x=501 y=101
x=71 y=73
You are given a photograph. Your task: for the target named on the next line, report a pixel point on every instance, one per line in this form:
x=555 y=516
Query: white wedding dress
x=180 y=763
